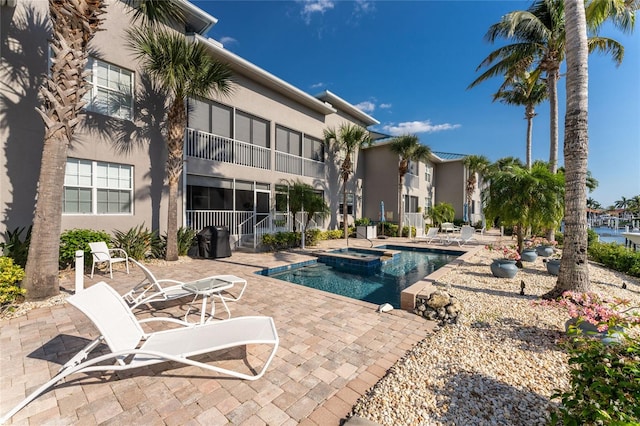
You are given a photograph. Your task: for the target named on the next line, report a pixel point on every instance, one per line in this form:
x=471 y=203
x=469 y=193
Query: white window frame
x=95 y=103
x=95 y=187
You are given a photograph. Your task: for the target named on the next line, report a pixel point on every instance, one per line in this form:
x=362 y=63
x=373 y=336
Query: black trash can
x=213 y=242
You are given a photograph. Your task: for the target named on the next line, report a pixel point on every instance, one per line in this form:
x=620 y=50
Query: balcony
x=217 y=148
x=296 y=165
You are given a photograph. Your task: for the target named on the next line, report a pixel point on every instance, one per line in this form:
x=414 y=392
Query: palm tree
x=440 y=213
x=73 y=26
x=475 y=165
x=348 y=139
x=539 y=41
x=184 y=70
x=574 y=270
x=634 y=205
x=525 y=198
x=524 y=90
x=408 y=148
x=622 y=203
x=302 y=197
x=593 y=204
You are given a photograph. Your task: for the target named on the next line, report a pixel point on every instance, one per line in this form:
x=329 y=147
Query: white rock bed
x=499 y=365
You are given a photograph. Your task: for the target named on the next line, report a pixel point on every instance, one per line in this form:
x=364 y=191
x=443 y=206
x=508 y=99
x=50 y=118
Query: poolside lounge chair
x=430 y=236
x=152 y=289
x=130 y=347
x=467 y=233
x=103 y=254
x=448 y=227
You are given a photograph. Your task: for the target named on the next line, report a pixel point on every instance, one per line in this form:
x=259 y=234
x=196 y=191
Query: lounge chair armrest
x=171 y=281
x=171 y=320
x=124 y=253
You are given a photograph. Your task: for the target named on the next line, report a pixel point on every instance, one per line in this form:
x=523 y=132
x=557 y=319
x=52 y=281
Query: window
x=349 y=203
x=410 y=204
x=413 y=168
x=288 y=141
x=111 y=91
x=211 y=117
x=313 y=149
x=427 y=203
x=252 y=129
x=428 y=174
x=206 y=193
x=92 y=187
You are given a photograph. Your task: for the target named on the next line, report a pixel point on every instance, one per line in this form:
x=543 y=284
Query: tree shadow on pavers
x=476 y=399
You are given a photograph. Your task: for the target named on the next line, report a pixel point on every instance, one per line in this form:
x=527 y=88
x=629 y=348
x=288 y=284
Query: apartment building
x=240 y=150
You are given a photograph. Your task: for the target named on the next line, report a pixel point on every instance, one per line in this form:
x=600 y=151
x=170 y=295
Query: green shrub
x=312 y=236
x=365 y=221
x=281 y=240
x=592 y=237
x=559 y=237
x=616 y=257
x=390 y=229
x=604 y=383
x=405 y=231
x=186 y=239
x=10 y=274
x=333 y=234
x=79 y=239
x=15 y=247
x=137 y=241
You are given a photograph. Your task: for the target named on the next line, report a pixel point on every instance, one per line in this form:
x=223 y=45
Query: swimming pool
x=382 y=285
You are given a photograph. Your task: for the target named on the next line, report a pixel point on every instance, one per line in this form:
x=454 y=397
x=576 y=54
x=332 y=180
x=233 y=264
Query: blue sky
x=408 y=64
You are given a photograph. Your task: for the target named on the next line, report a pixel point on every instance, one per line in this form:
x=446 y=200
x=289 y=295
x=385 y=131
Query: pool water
x=382 y=286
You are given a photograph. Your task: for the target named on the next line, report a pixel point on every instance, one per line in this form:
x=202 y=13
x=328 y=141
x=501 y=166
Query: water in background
x=609 y=235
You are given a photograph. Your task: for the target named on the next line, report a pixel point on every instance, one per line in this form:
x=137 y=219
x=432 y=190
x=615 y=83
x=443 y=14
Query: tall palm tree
x=347 y=139
x=524 y=90
x=634 y=205
x=475 y=165
x=73 y=24
x=593 y=204
x=622 y=203
x=539 y=36
x=184 y=70
x=408 y=148
x=574 y=270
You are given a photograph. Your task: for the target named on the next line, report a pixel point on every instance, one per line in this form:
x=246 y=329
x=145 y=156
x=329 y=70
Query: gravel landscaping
x=499 y=364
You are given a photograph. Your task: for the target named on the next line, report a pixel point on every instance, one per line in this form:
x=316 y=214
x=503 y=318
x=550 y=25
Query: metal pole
x=79 y=270
x=302 y=226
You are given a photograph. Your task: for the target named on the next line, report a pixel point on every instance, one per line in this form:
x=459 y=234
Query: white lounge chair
x=430 y=236
x=131 y=347
x=467 y=233
x=151 y=289
x=103 y=254
x=448 y=227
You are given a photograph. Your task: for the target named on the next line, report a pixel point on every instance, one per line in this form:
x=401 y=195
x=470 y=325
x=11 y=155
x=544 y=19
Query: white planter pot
x=366 y=232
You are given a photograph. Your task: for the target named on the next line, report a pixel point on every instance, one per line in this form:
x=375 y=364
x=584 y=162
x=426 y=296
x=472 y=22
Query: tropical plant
x=303 y=198
x=593 y=204
x=73 y=25
x=440 y=213
x=539 y=38
x=622 y=203
x=525 y=199
x=475 y=165
x=137 y=241
x=508 y=252
x=183 y=69
x=15 y=246
x=408 y=148
x=574 y=271
x=524 y=90
x=10 y=277
x=634 y=205
x=73 y=240
x=347 y=139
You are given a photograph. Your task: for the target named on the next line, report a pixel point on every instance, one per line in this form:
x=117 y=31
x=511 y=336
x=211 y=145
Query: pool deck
x=332 y=350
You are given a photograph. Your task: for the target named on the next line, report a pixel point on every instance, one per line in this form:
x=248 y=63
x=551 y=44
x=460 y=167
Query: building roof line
x=345 y=106
x=207 y=21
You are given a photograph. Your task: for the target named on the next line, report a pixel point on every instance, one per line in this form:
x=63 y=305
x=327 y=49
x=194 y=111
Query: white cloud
x=366 y=106
x=318 y=85
x=363 y=6
x=309 y=7
x=410 y=127
x=227 y=40
x=384 y=106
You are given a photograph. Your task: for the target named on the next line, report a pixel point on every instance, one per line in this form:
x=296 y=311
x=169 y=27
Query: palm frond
x=607 y=45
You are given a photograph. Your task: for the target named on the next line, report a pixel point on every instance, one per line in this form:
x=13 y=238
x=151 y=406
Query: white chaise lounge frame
x=131 y=347
x=431 y=235
x=152 y=289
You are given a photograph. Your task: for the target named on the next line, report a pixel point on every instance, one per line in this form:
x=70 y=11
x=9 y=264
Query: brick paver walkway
x=332 y=350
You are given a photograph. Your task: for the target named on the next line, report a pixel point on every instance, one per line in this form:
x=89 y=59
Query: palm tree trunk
x=574 y=270
x=529 y=114
x=345 y=227
x=175 y=144
x=552 y=84
x=400 y=209
x=74 y=24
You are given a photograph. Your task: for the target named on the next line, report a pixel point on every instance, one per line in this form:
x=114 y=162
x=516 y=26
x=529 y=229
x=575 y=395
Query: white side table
x=206 y=288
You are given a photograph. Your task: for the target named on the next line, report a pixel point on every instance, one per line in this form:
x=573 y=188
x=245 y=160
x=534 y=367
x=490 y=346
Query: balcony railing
x=296 y=165
x=198 y=219
x=208 y=146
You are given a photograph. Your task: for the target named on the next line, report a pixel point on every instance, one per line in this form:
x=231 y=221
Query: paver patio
x=332 y=350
